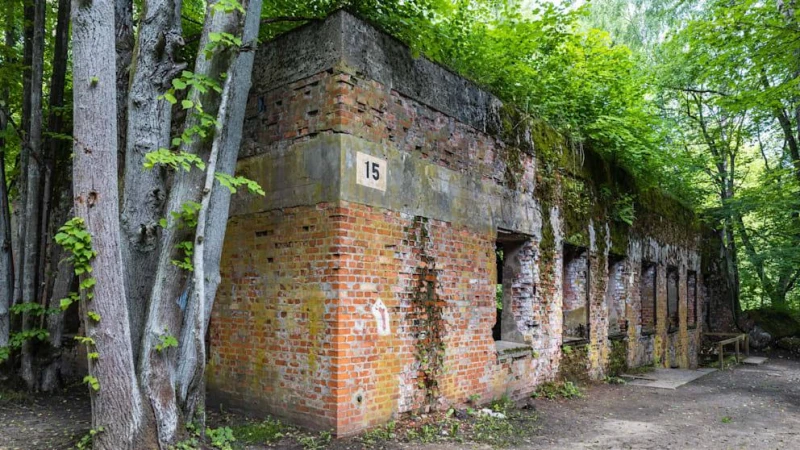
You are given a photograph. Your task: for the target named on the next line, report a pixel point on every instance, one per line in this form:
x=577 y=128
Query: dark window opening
x=576 y=282
x=691 y=300
x=615 y=296
x=673 y=299
x=497 y=333
x=647 y=297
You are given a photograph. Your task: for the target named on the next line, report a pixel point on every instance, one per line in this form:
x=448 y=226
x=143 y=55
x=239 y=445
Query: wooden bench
x=732 y=338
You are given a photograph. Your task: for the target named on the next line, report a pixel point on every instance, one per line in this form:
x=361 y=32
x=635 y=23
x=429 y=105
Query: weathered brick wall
x=344 y=304
x=575 y=294
x=273 y=326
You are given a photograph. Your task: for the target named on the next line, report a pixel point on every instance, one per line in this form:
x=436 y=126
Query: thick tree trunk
x=149 y=121
x=31 y=243
x=117 y=404
x=209 y=240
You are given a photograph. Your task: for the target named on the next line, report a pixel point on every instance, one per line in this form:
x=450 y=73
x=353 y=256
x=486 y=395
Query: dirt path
x=750 y=407
x=43 y=421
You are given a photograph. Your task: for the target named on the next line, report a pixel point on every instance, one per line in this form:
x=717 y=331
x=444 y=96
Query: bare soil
x=748 y=407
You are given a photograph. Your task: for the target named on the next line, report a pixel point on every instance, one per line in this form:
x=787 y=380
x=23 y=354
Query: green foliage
x=188 y=250
x=232 y=183
x=166 y=341
x=264 y=432
x=221 y=438
x=85 y=442
x=78 y=243
x=173 y=159
x=84 y=340
x=92 y=382
x=556 y=390
x=66 y=302
x=318 y=442
x=186 y=217
x=373 y=437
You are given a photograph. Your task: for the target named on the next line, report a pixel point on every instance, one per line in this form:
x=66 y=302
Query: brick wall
x=575 y=294
x=343 y=306
x=647 y=285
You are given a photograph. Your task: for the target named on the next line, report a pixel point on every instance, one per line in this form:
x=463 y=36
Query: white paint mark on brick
x=382 y=320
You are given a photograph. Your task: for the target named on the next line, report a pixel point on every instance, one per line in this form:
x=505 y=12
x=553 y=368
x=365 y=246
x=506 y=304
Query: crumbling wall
x=362 y=286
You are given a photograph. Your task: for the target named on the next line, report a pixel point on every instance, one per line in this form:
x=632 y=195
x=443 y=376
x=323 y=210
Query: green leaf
x=92 y=382
x=168 y=96
x=179 y=84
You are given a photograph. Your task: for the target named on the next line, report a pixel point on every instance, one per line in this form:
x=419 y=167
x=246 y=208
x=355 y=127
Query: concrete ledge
x=511 y=350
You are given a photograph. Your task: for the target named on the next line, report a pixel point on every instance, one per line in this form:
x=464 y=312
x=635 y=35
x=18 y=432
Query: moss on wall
x=574 y=365
x=618 y=358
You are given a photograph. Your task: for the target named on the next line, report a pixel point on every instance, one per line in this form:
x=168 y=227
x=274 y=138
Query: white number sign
x=371 y=171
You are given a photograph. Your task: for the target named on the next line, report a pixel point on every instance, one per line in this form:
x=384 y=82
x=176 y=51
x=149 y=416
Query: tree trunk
x=117 y=404
x=24 y=156
x=191 y=370
x=6 y=257
x=171 y=289
x=56 y=184
x=123 y=24
x=149 y=125
x=31 y=261
x=63 y=280
x=6 y=248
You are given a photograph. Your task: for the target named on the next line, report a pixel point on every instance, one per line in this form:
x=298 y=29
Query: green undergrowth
x=506 y=426
x=641 y=369
x=263 y=432
x=554 y=390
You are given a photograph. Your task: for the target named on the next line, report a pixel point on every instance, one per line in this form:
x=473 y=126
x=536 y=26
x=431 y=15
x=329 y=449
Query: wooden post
x=721 y=358
x=747 y=345
x=737 y=351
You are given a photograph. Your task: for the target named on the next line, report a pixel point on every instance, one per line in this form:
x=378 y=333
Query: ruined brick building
x=399 y=196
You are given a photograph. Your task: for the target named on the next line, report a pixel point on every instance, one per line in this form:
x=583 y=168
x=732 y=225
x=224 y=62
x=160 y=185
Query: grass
x=558 y=389
x=265 y=432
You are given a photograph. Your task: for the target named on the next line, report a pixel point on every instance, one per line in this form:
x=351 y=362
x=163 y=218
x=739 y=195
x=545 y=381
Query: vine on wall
x=429 y=323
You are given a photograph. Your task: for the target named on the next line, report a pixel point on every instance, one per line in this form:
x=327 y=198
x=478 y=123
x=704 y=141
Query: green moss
x=574 y=365
x=618 y=358
x=514 y=167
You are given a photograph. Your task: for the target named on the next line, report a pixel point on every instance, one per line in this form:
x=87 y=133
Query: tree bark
x=6 y=248
x=31 y=261
x=117 y=404
x=191 y=369
x=57 y=164
x=50 y=378
x=24 y=156
x=123 y=24
x=157 y=369
x=149 y=126
x=6 y=257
